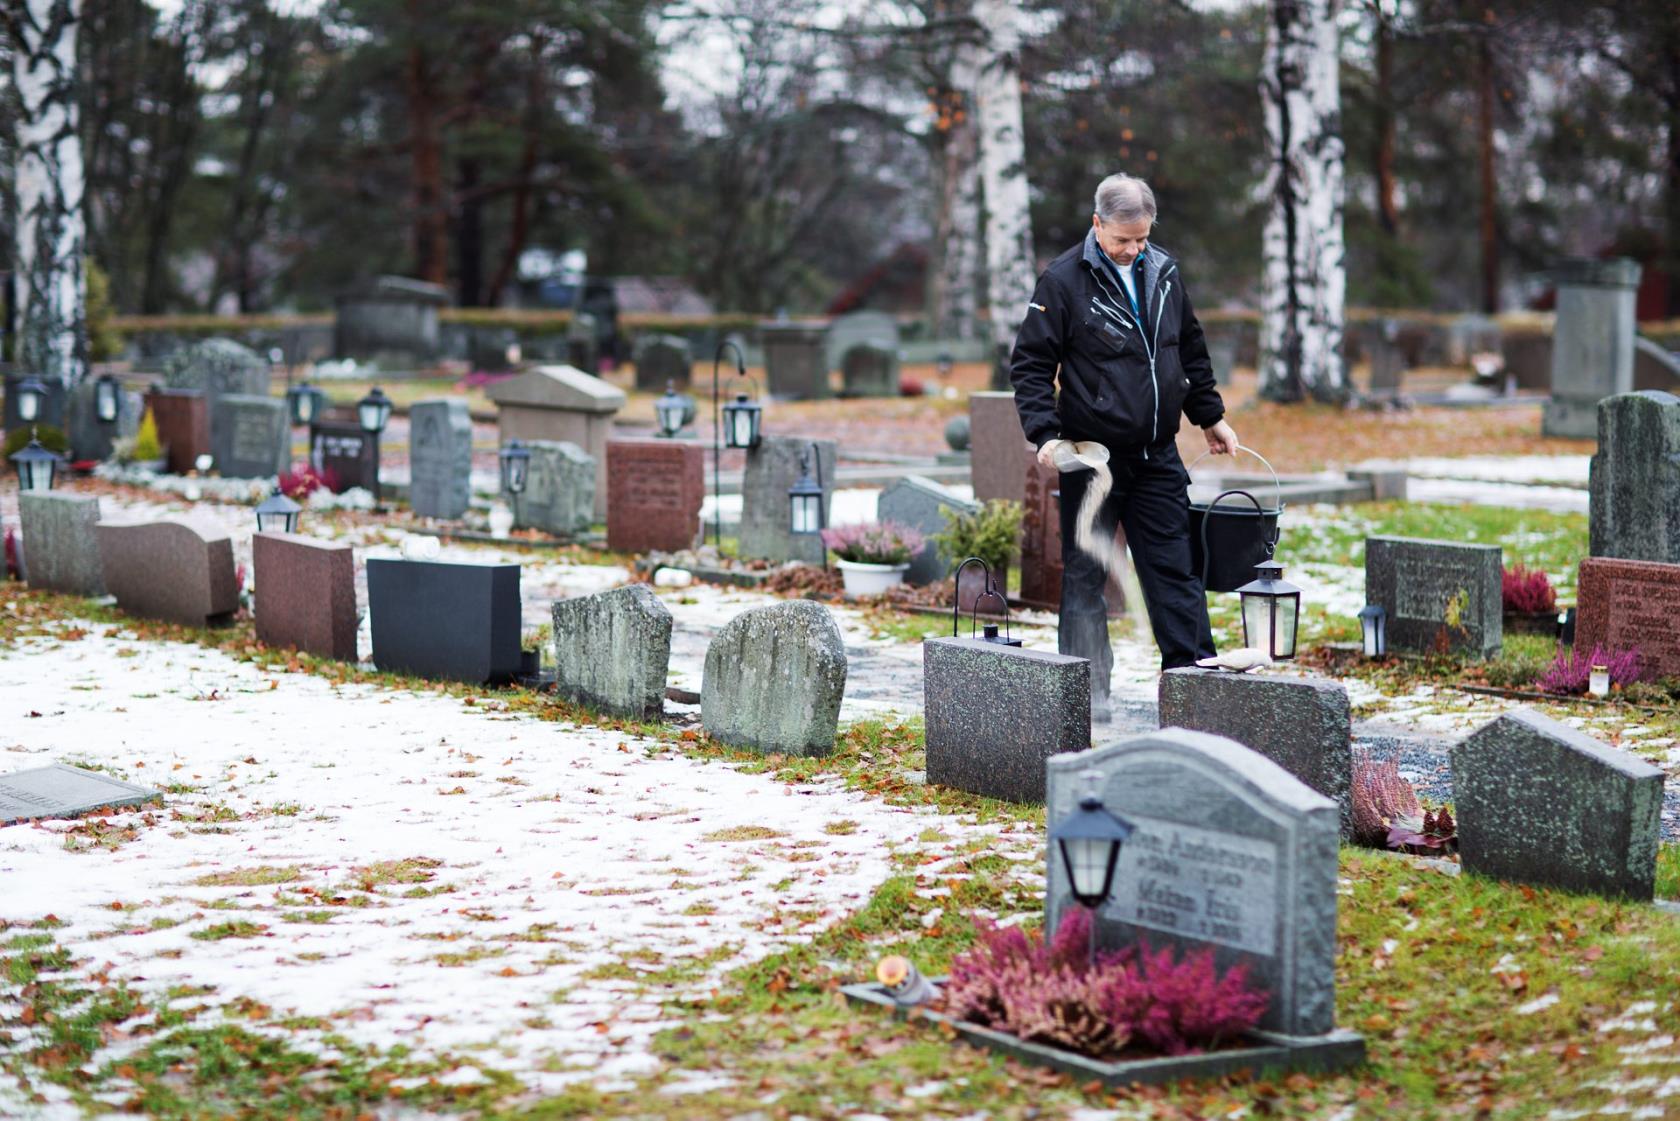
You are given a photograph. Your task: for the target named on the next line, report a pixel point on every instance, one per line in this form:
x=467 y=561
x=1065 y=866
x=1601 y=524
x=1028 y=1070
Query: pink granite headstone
x=305 y=594
x=170 y=569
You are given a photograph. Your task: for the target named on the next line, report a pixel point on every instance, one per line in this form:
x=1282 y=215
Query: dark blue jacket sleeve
x=1036 y=358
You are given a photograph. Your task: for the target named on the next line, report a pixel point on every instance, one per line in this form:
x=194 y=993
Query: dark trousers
x=1150 y=501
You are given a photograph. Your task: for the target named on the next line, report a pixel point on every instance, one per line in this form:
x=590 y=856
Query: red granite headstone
x=1041 y=544
x=305 y=594
x=1622 y=604
x=170 y=569
x=654 y=491
x=183 y=425
x=999 y=451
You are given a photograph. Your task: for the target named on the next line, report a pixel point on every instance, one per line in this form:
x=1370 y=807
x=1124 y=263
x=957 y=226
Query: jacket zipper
x=1154 y=348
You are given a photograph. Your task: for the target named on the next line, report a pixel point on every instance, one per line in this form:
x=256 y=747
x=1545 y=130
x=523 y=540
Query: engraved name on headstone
x=1199 y=884
x=62 y=791
x=1625 y=604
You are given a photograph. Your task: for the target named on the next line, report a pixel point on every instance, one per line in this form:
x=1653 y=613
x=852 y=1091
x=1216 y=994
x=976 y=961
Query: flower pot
x=973 y=582
x=870 y=579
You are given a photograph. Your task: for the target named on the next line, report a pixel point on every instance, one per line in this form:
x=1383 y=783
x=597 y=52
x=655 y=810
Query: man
x=1111 y=322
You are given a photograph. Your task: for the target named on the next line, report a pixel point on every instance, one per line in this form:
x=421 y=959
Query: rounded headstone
x=774 y=679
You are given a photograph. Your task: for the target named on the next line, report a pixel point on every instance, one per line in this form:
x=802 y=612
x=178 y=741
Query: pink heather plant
x=1527 y=590
x=874 y=542
x=1570 y=672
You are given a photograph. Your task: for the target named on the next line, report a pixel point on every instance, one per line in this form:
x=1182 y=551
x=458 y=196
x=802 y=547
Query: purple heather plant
x=1569 y=674
x=874 y=542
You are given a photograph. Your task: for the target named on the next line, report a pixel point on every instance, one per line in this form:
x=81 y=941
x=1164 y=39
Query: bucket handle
x=1276 y=482
x=989 y=592
x=1271 y=540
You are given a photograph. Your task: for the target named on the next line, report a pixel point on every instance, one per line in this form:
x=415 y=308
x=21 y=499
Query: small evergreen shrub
x=991 y=534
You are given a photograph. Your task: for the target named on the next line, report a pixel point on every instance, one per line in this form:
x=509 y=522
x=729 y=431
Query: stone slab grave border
x=16 y=801
x=1264 y=1050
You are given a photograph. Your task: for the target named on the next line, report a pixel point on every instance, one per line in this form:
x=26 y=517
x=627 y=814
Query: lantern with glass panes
x=1089 y=840
x=1373 y=630
x=35 y=467
x=805 y=498
x=106 y=403
x=278 y=514
x=672 y=411
x=373 y=411
x=1271 y=611
x=515 y=460
x=735 y=425
x=305 y=402
x=31 y=396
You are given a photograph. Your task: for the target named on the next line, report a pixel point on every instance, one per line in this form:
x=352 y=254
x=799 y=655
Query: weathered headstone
x=1388 y=360
x=458 y=622
x=344 y=449
x=774 y=679
x=654 y=492
x=183 y=425
x=772 y=468
x=559 y=494
x=217 y=366
x=305 y=594
x=62 y=791
x=60 y=544
x=662 y=359
x=170 y=569
x=440 y=458
x=612 y=651
x=923 y=505
x=1001 y=453
x=250 y=437
x=583 y=344
x=795 y=358
x=1592 y=343
x=995 y=713
x=1230 y=851
x=1440 y=596
x=389 y=316
x=870 y=370
x=1621 y=605
x=1538 y=802
x=1634 y=479
x=1303 y=724
x=846 y=331
x=90 y=437
x=562 y=404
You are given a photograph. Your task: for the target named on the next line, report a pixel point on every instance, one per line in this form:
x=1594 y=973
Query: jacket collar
x=1154 y=260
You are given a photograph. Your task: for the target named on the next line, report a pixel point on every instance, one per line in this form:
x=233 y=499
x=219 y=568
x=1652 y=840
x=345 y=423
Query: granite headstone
x=217 y=366
x=869 y=370
x=1621 y=605
x=349 y=454
x=250 y=437
x=772 y=469
x=393 y=316
x=60 y=543
x=440 y=458
x=846 y=331
x=305 y=594
x=654 y=492
x=90 y=437
x=1440 y=596
x=1634 y=478
x=1041 y=537
x=925 y=506
x=612 y=651
x=183 y=426
x=774 y=679
x=63 y=791
x=563 y=404
x=458 y=622
x=662 y=360
x=1592 y=343
x=559 y=496
x=795 y=358
x=1000 y=451
x=170 y=569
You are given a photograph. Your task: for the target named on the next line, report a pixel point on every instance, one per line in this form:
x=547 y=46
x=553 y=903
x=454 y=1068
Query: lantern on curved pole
x=31 y=398
x=734 y=425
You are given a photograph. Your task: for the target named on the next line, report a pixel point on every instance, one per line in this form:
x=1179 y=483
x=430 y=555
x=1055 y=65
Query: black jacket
x=1122 y=383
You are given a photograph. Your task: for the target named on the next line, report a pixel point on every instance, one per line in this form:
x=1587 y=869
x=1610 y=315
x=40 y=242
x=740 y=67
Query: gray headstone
x=1539 y=802
x=1635 y=478
x=559 y=494
x=1230 y=851
x=612 y=651
x=924 y=505
x=774 y=679
x=846 y=331
x=440 y=457
x=61 y=791
x=995 y=713
x=1388 y=365
x=661 y=359
x=1441 y=596
x=583 y=343
x=795 y=358
x=870 y=370
x=1592 y=343
x=60 y=544
x=91 y=438
x=772 y=469
x=217 y=366
x=1303 y=724
x=250 y=437
x=389 y=316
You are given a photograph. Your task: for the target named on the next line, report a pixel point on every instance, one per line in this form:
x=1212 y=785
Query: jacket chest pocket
x=1103 y=337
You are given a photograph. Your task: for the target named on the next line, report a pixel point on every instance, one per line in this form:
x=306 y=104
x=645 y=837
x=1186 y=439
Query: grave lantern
x=673 y=410
x=105 y=402
x=374 y=411
x=278 y=514
x=1089 y=840
x=943 y=364
x=739 y=420
x=989 y=632
x=1373 y=630
x=305 y=403
x=805 y=512
x=31 y=395
x=515 y=459
x=1271 y=610
x=35 y=467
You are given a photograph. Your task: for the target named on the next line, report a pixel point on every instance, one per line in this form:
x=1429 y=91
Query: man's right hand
x=1047 y=454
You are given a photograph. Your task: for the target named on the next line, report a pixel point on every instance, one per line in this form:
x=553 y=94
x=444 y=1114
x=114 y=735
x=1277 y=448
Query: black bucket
x=1226 y=542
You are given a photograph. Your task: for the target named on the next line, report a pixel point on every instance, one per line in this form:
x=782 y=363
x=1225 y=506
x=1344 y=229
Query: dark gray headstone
x=612 y=651
x=1303 y=724
x=217 y=366
x=1592 y=343
x=772 y=468
x=846 y=331
x=250 y=437
x=60 y=543
x=870 y=370
x=924 y=505
x=1230 y=851
x=90 y=437
x=1441 y=596
x=774 y=679
x=459 y=622
x=661 y=359
x=1635 y=478
x=350 y=454
x=559 y=495
x=389 y=315
x=61 y=791
x=583 y=347
x=1539 y=802
x=440 y=458
x=995 y=713
x=795 y=358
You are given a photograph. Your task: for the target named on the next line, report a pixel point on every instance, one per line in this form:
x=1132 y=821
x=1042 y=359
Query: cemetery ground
x=365 y=894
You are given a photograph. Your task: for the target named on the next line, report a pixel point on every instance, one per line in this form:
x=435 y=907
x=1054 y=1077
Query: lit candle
x=1599 y=684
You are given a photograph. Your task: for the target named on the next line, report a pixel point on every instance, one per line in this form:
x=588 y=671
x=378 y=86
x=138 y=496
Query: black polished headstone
x=458 y=622
x=351 y=454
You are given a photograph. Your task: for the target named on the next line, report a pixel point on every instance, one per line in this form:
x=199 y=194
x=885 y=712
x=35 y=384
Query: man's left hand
x=1222 y=440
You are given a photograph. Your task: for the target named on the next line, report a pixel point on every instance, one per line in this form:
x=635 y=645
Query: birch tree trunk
x=952 y=297
x=1304 y=284
x=51 y=229
x=1003 y=177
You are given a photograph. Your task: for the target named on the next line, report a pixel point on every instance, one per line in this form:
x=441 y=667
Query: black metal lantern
x=943 y=364
x=105 y=399
x=1271 y=611
x=35 y=467
x=1089 y=840
x=515 y=459
x=743 y=423
x=1373 y=630
x=740 y=422
x=989 y=632
x=673 y=410
x=805 y=499
x=31 y=395
x=305 y=403
x=278 y=514
x=374 y=411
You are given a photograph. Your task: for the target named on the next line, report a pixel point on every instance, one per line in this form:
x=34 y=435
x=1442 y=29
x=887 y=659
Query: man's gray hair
x=1125 y=199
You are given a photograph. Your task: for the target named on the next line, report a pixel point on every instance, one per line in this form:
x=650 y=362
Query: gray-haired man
x=1111 y=325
